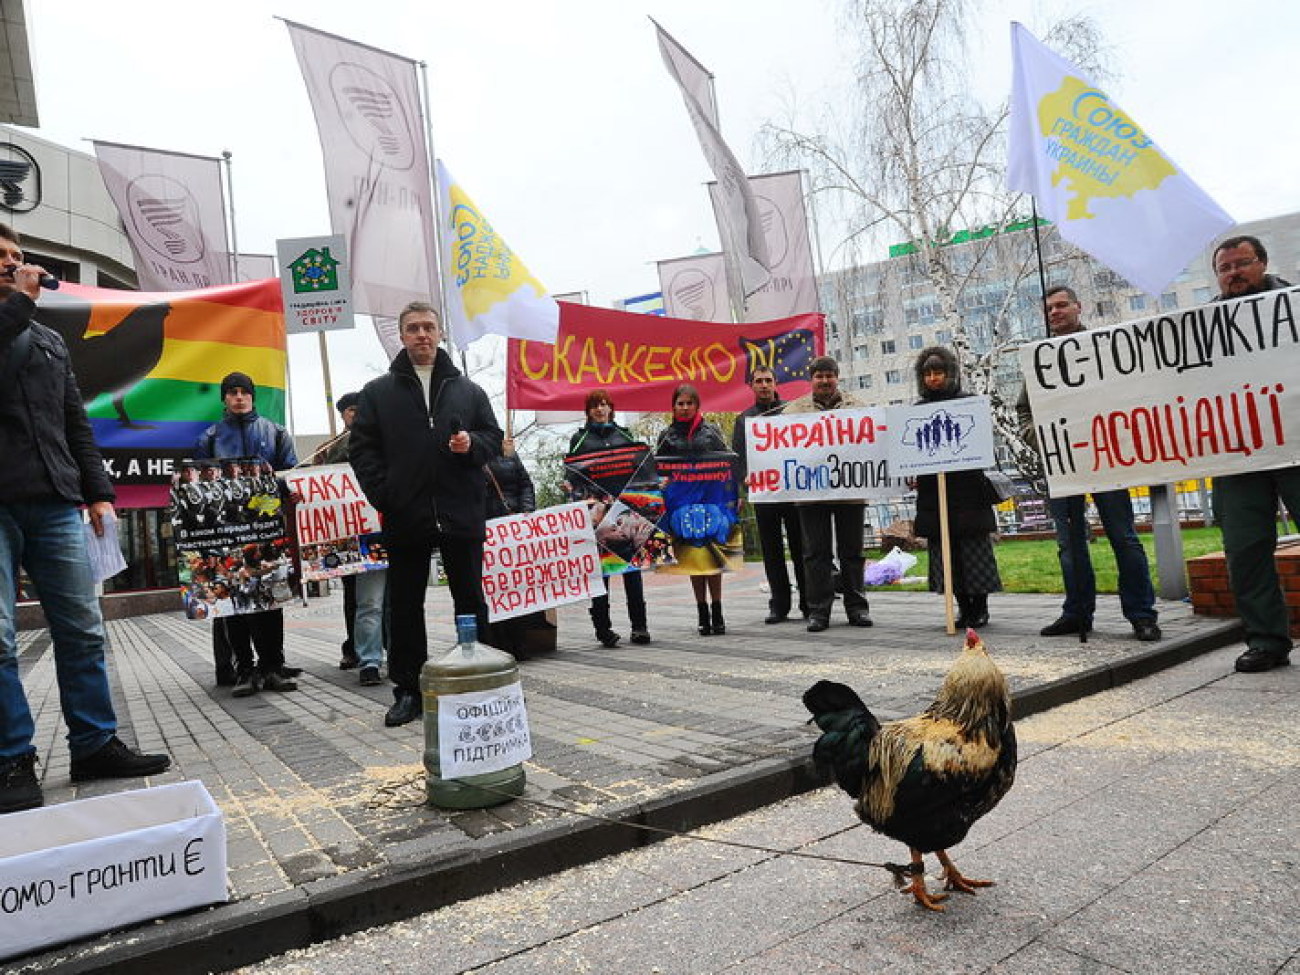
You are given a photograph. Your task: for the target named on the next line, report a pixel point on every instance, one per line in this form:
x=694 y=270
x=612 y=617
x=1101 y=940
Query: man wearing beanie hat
x=363 y=594
x=241 y=432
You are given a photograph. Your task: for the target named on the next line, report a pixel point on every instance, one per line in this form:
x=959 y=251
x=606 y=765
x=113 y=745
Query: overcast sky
x=560 y=120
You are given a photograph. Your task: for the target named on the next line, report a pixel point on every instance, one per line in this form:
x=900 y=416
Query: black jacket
x=738 y=444
x=675 y=441
x=509 y=488
x=970 y=496
x=592 y=437
x=48 y=448
x=399 y=450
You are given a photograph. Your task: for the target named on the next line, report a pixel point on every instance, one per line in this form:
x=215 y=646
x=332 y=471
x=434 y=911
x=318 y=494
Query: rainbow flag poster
x=150 y=365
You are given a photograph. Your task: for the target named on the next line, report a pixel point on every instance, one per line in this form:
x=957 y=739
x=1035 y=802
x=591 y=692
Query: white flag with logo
x=792 y=288
x=695 y=288
x=1098 y=176
x=174 y=211
x=739 y=224
x=367 y=107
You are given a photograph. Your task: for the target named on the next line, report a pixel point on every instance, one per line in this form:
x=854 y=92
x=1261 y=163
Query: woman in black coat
x=601 y=433
x=971 y=521
x=509 y=488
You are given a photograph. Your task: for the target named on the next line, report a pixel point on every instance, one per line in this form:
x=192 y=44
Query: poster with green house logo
x=316 y=283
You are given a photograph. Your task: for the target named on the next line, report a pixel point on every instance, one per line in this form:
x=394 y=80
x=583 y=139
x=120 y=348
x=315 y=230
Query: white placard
x=482 y=731
x=540 y=560
x=948 y=435
x=1194 y=393
x=838 y=455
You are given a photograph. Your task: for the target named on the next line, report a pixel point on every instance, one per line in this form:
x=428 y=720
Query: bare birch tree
x=919 y=159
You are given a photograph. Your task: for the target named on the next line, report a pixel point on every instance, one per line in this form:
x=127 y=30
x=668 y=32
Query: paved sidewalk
x=1150 y=831
x=326 y=826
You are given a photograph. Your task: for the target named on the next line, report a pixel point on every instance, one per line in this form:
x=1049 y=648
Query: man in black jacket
x=52 y=466
x=419 y=441
x=1245 y=505
x=771 y=518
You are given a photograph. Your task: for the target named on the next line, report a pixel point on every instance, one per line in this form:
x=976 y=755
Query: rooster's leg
x=953 y=879
x=917 y=887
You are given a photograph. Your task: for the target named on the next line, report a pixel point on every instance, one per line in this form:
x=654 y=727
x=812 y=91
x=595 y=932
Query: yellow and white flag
x=489 y=291
x=1098 y=175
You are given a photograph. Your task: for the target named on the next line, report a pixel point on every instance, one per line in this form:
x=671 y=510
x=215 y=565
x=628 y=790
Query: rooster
x=923 y=780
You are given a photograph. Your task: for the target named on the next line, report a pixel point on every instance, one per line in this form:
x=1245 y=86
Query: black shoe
x=773 y=618
x=608 y=639
x=860 y=619
x=349 y=661
x=1256 y=660
x=718 y=623
x=114 y=760
x=641 y=636
x=290 y=672
x=407 y=708
x=816 y=624
x=370 y=677
x=18 y=786
x=247 y=685
x=225 y=678
x=705 y=627
x=1147 y=631
x=1064 y=625
x=276 y=681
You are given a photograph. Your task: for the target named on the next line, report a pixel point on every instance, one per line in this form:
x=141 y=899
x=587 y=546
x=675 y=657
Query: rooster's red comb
x=972 y=637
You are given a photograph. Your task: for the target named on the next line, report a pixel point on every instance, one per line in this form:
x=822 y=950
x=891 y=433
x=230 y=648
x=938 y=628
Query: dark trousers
x=223 y=654
x=350 y=614
x=263 y=631
x=773 y=520
x=818 y=522
x=408 y=580
x=1245 y=505
x=634 y=590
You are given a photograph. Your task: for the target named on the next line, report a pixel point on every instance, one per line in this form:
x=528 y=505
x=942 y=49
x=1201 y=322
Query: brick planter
x=1212 y=596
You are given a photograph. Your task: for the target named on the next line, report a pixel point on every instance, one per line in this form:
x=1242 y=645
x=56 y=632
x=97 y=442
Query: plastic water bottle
x=482 y=726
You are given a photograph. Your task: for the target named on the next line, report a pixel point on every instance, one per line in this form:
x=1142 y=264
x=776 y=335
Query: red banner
x=640 y=358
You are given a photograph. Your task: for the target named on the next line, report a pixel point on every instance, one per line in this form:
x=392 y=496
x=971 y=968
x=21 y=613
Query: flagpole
x=436 y=199
x=810 y=217
x=233 y=256
x=1042 y=276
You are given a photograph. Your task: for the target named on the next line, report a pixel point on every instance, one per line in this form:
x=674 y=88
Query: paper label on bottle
x=482 y=731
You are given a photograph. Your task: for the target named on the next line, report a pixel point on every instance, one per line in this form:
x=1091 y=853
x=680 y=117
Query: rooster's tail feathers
x=826 y=696
x=848 y=728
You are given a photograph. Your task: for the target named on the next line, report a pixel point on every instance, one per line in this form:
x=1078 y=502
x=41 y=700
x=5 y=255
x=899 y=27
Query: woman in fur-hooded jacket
x=970 y=499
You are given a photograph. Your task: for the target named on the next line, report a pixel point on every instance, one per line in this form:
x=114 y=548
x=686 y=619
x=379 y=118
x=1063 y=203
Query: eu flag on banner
x=788 y=355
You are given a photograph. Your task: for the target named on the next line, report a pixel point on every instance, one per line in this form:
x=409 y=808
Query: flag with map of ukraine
x=150 y=365
x=1098 y=175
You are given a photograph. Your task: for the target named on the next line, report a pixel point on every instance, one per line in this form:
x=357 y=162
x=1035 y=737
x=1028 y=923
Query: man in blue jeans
x=1137 y=597
x=52 y=466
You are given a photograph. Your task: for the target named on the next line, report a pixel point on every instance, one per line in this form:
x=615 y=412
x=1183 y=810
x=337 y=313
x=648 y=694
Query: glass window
x=914 y=342
x=1137 y=302
x=1169 y=300
x=1201 y=295
x=888 y=347
x=864 y=382
x=893 y=377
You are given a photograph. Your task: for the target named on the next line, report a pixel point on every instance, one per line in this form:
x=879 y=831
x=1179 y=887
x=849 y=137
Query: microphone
x=47 y=281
